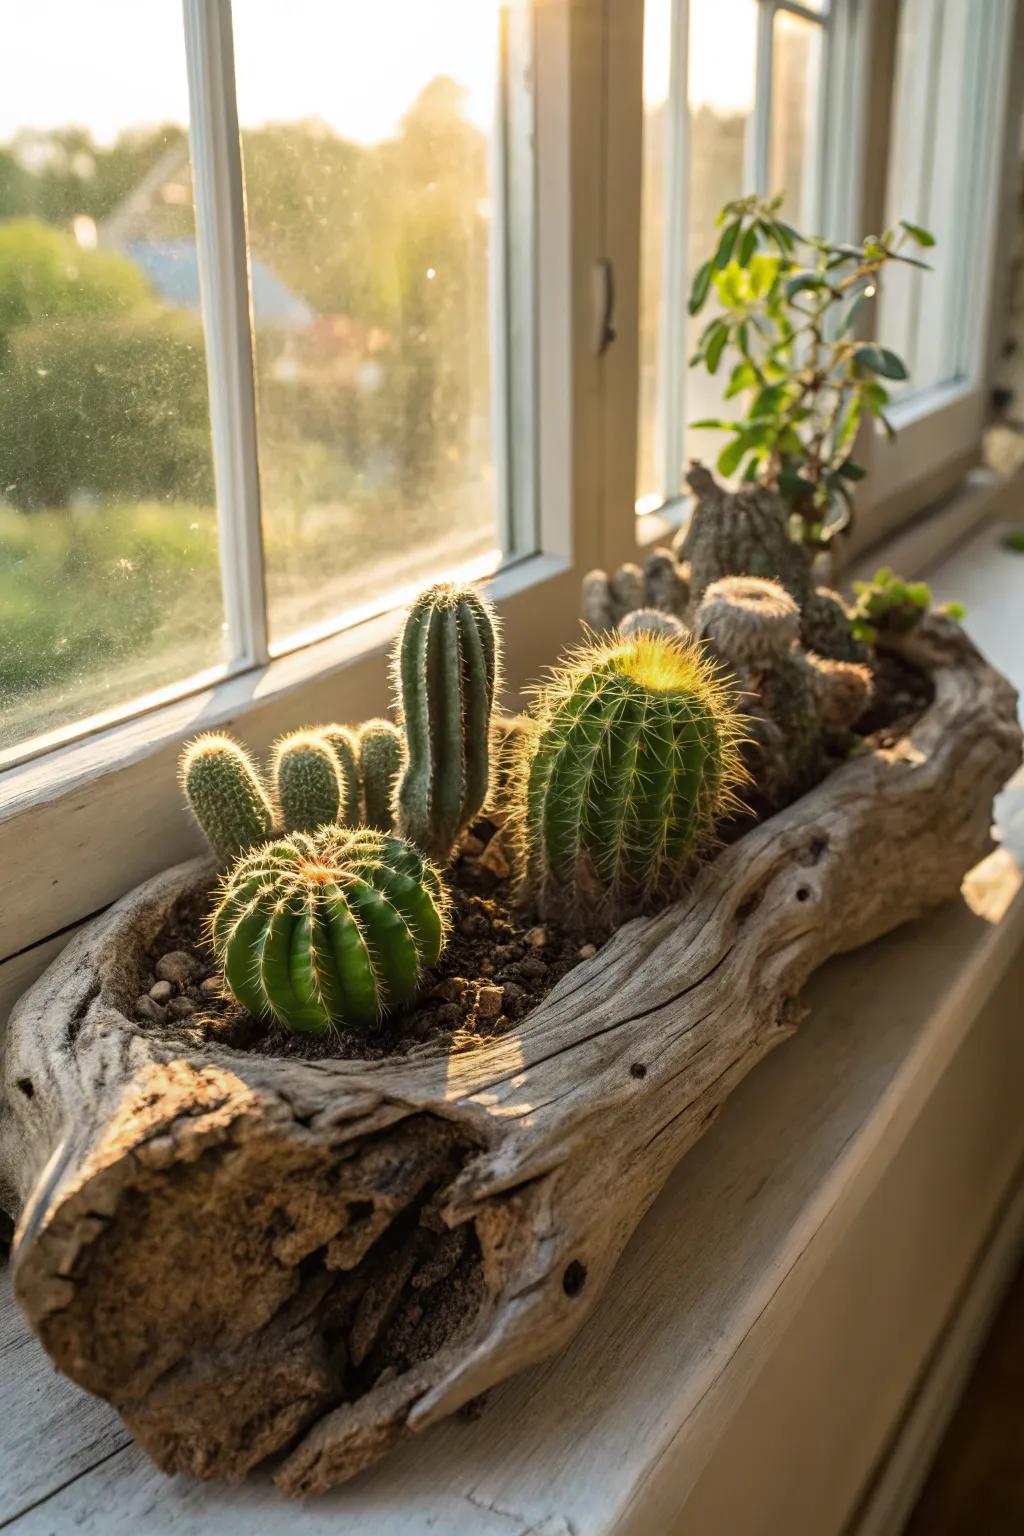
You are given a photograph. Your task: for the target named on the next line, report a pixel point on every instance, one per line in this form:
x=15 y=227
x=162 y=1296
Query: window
x=942 y=159
x=356 y=397
x=732 y=104
x=108 y=552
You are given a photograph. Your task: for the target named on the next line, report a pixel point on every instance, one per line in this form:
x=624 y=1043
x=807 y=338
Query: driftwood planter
x=217 y=1242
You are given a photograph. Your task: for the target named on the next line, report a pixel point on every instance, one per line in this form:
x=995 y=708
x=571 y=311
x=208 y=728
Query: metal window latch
x=602 y=290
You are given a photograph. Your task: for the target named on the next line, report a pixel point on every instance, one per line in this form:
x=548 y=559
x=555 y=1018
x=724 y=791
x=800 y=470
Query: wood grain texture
x=196 y=1227
x=613 y=1435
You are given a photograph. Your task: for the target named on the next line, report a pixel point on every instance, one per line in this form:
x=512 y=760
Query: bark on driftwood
x=248 y=1255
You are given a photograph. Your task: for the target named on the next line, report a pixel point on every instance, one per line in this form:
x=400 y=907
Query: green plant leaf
x=851 y=471
x=767 y=401
x=805 y=282
x=911 y=261
x=725 y=246
x=716 y=345
x=748 y=245
x=917 y=232
x=699 y=291
x=731 y=456
x=764 y=269
x=955 y=611
x=743 y=376
x=881 y=360
x=712 y=424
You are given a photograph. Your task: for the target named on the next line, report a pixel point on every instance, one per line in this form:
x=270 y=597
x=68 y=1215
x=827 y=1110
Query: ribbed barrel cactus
x=633 y=761
x=226 y=794
x=307 y=781
x=380 y=762
x=329 y=930
x=446 y=674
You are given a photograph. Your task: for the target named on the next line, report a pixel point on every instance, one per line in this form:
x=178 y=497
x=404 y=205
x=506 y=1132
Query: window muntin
x=109 y=582
x=749 y=113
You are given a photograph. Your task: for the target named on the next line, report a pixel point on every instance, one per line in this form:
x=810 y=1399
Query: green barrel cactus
x=307 y=781
x=226 y=794
x=344 y=744
x=446 y=674
x=329 y=930
x=380 y=762
x=634 y=759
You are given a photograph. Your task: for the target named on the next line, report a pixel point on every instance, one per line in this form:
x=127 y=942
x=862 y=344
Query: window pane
x=723 y=74
x=109 y=584
x=368 y=147
x=942 y=158
x=793 y=137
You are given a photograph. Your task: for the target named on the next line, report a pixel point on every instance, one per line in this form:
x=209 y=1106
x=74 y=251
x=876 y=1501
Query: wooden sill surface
x=723 y=1280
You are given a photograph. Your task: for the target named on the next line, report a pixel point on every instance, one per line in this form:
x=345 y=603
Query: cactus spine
x=226 y=794
x=345 y=746
x=634 y=759
x=307 y=781
x=329 y=930
x=380 y=762
x=446 y=671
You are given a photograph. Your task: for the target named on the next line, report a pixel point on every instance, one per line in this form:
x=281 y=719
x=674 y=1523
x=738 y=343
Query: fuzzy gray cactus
x=446 y=675
x=652 y=621
x=843 y=691
x=226 y=794
x=307 y=781
x=663 y=584
x=751 y=626
x=747 y=622
x=344 y=743
x=740 y=533
x=826 y=627
x=380 y=763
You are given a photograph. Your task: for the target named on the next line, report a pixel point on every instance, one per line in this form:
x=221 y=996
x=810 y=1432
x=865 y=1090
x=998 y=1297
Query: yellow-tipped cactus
x=226 y=794
x=307 y=781
x=380 y=762
x=633 y=761
x=446 y=676
x=330 y=930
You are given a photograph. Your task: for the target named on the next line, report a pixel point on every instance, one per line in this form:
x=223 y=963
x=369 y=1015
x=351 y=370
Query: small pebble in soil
x=211 y=987
x=489 y=1002
x=181 y=1008
x=536 y=938
x=161 y=991
x=177 y=966
x=146 y=1008
x=587 y=951
x=533 y=966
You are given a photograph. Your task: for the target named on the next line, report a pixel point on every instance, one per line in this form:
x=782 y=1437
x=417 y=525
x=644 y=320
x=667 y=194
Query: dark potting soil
x=902 y=692
x=498 y=965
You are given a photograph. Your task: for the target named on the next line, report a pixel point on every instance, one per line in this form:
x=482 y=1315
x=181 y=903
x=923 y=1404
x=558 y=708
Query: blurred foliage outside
x=374 y=418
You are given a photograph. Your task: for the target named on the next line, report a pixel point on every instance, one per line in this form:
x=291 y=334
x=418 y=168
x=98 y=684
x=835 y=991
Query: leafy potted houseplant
x=314 y=1140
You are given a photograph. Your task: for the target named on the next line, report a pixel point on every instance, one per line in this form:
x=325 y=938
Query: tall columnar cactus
x=446 y=673
x=226 y=794
x=344 y=743
x=307 y=781
x=380 y=762
x=329 y=930
x=633 y=760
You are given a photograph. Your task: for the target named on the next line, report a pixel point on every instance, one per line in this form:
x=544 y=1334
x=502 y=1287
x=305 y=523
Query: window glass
x=109 y=583
x=793 y=136
x=751 y=122
x=942 y=155
x=369 y=153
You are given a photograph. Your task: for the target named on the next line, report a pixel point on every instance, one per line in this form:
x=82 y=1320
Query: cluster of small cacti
x=802 y=705
x=889 y=605
x=329 y=775
x=662 y=587
x=329 y=929
x=633 y=758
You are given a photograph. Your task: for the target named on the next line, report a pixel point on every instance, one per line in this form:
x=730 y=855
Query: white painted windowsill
x=782 y=1326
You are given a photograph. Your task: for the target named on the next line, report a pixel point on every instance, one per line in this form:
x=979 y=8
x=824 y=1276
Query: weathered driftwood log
x=247 y=1255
